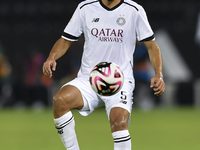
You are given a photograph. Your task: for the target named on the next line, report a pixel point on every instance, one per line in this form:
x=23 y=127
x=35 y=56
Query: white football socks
x=66 y=129
x=122 y=140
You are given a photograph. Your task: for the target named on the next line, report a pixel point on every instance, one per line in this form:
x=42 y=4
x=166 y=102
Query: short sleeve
x=74 y=29
x=143 y=28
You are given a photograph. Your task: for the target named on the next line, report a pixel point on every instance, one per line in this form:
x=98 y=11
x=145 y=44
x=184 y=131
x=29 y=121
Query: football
x=106 y=78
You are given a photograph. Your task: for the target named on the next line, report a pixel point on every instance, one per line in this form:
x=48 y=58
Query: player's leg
x=67 y=98
x=119 y=120
x=118 y=109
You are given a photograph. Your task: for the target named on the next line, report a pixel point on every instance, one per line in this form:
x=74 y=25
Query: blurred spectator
x=34 y=89
x=197 y=36
x=5 y=78
x=143 y=95
x=35 y=82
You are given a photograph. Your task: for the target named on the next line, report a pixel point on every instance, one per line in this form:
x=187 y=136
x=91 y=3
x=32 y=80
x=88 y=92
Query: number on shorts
x=123 y=97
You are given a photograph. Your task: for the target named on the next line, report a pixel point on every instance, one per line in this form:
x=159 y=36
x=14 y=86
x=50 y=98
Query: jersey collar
x=110 y=9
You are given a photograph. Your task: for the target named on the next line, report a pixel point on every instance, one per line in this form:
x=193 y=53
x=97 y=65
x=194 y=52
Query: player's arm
x=157 y=82
x=58 y=50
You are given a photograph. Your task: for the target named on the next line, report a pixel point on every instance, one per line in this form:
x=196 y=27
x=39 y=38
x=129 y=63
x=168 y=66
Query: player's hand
x=48 y=66
x=158 y=85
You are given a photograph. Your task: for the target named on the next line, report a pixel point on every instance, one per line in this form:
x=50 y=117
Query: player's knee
x=119 y=119
x=57 y=99
x=119 y=125
x=61 y=103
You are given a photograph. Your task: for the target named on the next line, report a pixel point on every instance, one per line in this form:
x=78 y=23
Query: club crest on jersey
x=121 y=21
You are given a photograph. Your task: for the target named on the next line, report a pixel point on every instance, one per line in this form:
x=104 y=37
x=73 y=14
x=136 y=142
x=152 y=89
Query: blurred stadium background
x=28 y=30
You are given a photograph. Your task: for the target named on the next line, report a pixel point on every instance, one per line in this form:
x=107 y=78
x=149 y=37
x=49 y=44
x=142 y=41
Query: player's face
x=110 y=0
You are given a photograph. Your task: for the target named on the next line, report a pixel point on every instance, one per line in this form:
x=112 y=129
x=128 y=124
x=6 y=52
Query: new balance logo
x=60 y=131
x=95 y=20
x=123 y=101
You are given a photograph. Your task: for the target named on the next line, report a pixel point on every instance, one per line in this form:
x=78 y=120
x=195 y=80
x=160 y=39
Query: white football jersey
x=110 y=34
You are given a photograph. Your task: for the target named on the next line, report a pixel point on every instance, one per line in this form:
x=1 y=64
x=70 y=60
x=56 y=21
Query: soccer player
x=110 y=28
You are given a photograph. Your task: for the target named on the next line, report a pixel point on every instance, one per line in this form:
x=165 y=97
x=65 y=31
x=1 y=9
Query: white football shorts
x=92 y=100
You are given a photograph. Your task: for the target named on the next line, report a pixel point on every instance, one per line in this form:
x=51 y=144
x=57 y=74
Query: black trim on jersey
x=110 y=9
x=148 y=39
x=88 y=4
x=69 y=36
x=131 y=5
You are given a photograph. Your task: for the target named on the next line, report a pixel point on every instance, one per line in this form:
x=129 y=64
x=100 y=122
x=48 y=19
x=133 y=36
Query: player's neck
x=110 y=4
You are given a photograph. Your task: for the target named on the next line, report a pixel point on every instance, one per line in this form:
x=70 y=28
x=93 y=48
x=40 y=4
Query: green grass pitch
x=158 y=129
